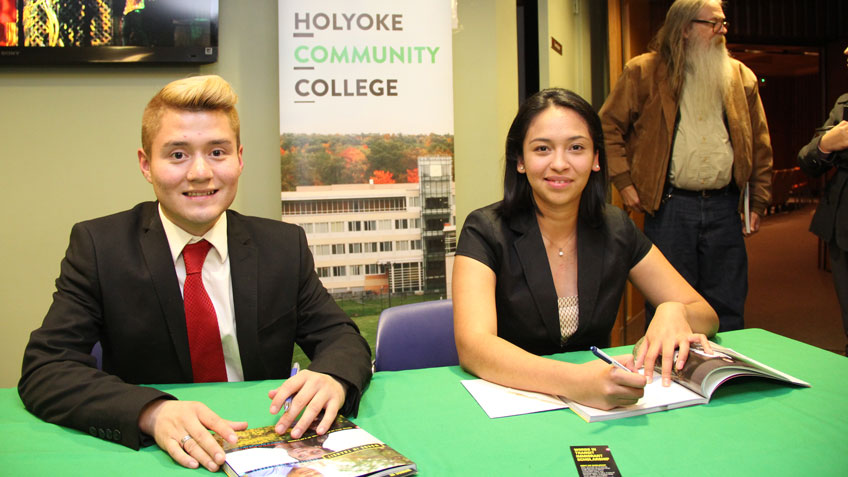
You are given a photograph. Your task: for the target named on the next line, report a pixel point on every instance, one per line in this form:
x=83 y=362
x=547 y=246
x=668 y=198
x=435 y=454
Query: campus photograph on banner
x=366 y=144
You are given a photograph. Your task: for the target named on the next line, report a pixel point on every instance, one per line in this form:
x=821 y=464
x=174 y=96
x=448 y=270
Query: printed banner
x=366 y=140
x=348 y=67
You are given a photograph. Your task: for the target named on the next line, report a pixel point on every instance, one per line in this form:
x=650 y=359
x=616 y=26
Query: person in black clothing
x=826 y=152
x=543 y=270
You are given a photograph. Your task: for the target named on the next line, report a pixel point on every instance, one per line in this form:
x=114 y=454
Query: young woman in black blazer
x=543 y=270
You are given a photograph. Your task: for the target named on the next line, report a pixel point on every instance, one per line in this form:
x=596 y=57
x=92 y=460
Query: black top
x=830 y=221
x=525 y=294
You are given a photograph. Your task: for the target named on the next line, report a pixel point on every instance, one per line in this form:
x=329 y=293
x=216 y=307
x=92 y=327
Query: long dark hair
x=518 y=195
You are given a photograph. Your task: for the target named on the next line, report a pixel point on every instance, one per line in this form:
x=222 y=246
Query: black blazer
x=525 y=294
x=118 y=285
x=830 y=222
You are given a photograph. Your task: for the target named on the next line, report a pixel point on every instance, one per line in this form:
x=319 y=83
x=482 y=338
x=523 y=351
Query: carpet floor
x=788 y=293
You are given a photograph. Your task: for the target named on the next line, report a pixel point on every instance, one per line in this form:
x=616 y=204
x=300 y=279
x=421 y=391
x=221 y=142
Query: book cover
x=692 y=385
x=345 y=450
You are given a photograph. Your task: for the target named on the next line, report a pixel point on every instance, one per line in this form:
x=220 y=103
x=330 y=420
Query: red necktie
x=204 y=339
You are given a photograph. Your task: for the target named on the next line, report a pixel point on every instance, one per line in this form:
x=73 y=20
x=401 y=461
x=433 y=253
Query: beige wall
x=572 y=69
x=68 y=153
x=485 y=86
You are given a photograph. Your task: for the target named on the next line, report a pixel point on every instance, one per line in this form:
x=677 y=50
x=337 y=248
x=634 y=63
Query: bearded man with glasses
x=686 y=137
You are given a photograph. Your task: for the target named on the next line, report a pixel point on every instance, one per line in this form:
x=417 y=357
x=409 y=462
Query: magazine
x=692 y=385
x=345 y=451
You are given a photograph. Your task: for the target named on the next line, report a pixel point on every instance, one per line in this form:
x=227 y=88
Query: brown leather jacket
x=639 y=119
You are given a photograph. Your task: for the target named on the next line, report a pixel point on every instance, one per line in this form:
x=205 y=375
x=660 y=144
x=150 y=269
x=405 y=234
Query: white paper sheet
x=501 y=401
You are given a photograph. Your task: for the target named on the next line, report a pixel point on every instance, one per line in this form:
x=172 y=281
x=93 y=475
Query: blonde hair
x=195 y=94
x=669 y=42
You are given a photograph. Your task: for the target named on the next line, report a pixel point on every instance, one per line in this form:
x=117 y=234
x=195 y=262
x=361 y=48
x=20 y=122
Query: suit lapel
x=537 y=271
x=590 y=259
x=157 y=256
x=244 y=272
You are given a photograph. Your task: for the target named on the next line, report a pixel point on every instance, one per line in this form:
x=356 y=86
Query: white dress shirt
x=216 y=280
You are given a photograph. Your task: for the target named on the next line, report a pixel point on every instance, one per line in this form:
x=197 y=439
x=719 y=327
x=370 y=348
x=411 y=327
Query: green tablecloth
x=751 y=426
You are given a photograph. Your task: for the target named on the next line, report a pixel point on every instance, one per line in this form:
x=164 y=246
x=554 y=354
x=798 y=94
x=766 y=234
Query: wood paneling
x=629 y=34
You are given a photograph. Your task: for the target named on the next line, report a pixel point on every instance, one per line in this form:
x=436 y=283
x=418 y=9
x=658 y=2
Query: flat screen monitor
x=68 y=32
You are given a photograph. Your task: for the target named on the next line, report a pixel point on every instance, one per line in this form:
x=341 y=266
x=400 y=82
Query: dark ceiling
x=772 y=60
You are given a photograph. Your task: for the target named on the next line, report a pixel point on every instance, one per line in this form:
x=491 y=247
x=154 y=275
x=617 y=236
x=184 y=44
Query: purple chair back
x=416 y=336
x=97 y=352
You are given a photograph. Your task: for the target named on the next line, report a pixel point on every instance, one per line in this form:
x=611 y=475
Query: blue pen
x=295 y=369
x=607 y=358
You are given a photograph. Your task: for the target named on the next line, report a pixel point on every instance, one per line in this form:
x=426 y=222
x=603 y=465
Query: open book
x=692 y=385
x=345 y=450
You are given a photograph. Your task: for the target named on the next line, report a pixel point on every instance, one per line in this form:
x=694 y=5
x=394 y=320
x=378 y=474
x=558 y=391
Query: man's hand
x=631 y=199
x=170 y=421
x=312 y=392
x=755 y=225
x=835 y=139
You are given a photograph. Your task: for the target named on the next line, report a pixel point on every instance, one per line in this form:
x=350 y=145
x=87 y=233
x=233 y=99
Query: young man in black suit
x=123 y=282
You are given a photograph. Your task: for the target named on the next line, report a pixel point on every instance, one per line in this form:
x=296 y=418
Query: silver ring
x=185 y=439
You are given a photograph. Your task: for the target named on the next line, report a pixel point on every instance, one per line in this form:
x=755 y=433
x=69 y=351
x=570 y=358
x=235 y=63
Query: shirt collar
x=179 y=238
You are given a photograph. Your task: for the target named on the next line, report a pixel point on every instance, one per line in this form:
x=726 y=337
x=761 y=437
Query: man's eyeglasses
x=717 y=25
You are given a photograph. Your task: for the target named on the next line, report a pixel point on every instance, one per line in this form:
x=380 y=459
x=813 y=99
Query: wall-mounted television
x=68 y=32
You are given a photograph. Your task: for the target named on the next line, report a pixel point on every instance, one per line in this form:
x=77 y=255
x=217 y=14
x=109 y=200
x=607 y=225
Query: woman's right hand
x=607 y=386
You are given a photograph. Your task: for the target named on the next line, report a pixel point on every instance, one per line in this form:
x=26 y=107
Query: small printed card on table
x=594 y=461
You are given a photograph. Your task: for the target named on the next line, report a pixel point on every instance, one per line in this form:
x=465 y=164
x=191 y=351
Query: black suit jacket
x=830 y=222
x=118 y=286
x=525 y=293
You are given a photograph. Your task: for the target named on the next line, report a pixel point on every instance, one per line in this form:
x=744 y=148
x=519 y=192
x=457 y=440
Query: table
x=751 y=426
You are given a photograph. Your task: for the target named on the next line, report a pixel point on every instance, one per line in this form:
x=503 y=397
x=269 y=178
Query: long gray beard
x=707 y=77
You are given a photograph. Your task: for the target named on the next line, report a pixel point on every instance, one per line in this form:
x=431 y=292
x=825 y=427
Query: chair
x=416 y=336
x=97 y=352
